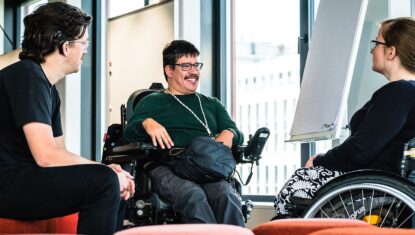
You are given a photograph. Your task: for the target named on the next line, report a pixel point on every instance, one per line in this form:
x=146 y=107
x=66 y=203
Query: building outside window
x=267 y=86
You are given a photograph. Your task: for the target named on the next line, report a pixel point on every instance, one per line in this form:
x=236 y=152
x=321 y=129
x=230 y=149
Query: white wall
x=135 y=45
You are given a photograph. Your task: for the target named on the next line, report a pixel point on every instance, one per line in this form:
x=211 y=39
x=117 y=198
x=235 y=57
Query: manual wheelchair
x=146 y=207
x=377 y=197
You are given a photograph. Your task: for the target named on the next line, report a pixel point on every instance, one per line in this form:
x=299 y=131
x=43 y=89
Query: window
x=26 y=9
x=266 y=43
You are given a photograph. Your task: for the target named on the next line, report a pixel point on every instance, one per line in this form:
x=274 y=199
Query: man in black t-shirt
x=39 y=178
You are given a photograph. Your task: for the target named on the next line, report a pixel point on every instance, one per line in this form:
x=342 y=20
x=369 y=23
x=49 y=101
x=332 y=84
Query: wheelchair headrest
x=136 y=96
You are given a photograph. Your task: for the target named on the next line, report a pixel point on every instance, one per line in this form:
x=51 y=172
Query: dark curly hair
x=49 y=26
x=175 y=50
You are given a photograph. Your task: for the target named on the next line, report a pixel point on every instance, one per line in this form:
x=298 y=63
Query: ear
x=65 y=48
x=168 y=70
x=391 y=52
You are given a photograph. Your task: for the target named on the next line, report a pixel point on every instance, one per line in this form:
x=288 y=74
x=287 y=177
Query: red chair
x=304 y=226
x=66 y=224
x=366 y=231
x=187 y=229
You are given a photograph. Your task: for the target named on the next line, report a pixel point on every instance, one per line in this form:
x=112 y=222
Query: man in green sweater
x=173 y=117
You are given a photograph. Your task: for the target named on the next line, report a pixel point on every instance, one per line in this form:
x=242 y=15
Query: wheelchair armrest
x=238 y=153
x=133 y=147
x=128 y=152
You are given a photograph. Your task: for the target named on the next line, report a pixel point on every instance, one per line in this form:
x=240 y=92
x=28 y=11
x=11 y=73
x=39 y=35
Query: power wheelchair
x=377 y=197
x=146 y=207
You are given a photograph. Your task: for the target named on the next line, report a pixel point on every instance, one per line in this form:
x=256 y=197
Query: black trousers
x=31 y=193
x=213 y=203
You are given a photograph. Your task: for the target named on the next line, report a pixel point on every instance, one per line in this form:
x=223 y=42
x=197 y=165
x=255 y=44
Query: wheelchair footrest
x=247 y=208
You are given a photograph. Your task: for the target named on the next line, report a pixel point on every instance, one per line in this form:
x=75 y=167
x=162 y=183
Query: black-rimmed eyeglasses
x=374 y=43
x=188 y=66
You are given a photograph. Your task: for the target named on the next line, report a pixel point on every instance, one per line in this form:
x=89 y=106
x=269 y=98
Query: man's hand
x=157 y=133
x=127 y=185
x=226 y=137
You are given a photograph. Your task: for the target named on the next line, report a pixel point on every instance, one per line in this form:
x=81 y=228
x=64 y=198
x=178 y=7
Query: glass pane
x=28 y=8
x=267 y=86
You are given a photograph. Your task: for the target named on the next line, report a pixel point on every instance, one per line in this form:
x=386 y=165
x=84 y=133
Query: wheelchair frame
x=377 y=197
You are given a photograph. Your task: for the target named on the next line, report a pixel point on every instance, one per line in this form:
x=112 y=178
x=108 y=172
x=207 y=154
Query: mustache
x=191 y=77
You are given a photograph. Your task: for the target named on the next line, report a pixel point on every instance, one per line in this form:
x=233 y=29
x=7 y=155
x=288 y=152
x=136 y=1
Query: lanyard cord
x=205 y=125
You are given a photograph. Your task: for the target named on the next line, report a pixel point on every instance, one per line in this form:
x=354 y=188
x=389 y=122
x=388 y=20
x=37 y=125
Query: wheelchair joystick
x=256 y=144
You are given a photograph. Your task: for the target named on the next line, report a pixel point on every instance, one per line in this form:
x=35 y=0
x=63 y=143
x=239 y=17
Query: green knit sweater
x=181 y=125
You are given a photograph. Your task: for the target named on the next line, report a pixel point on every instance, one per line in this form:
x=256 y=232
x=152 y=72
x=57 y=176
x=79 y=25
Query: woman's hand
x=309 y=163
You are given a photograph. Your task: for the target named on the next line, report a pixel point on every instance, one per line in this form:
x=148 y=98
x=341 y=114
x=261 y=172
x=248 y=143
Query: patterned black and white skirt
x=304 y=183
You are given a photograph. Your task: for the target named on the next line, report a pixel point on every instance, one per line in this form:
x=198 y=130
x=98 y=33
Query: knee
x=194 y=198
x=227 y=198
x=105 y=180
x=196 y=195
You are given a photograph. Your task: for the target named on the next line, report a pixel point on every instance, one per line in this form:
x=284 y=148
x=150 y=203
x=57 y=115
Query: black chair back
x=136 y=96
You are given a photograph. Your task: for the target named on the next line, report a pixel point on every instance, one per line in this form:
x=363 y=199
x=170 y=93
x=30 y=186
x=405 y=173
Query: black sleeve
x=385 y=117
x=30 y=99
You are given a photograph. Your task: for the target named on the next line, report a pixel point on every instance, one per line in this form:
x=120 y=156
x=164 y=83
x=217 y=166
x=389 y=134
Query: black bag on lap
x=205 y=160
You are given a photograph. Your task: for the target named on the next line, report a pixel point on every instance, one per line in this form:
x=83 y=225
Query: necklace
x=205 y=124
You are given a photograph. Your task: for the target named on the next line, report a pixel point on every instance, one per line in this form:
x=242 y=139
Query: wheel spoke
x=412 y=214
x=351 y=198
x=324 y=213
x=334 y=210
x=344 y=205
x=364 y=206
x=371 y=204
x=387 y=212
x=377 y=199
x=383 y=202
x=400 y=212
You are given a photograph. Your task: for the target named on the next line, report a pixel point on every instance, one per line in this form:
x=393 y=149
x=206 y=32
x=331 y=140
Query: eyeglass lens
x=188 y=66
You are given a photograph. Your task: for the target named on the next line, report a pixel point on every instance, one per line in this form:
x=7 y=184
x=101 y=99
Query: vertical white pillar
x=187 y=21
x=70 y=91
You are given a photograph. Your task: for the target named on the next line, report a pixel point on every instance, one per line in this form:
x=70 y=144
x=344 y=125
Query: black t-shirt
x=25 y=96
x=379 y=131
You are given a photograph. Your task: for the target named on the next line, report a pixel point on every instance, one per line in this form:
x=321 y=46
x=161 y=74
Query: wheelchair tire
x=379 y=198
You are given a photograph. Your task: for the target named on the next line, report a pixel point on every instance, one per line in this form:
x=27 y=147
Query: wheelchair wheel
x=378 y=198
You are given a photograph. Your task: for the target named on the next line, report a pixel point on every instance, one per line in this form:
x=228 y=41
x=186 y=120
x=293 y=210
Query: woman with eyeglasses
x=379 y=129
